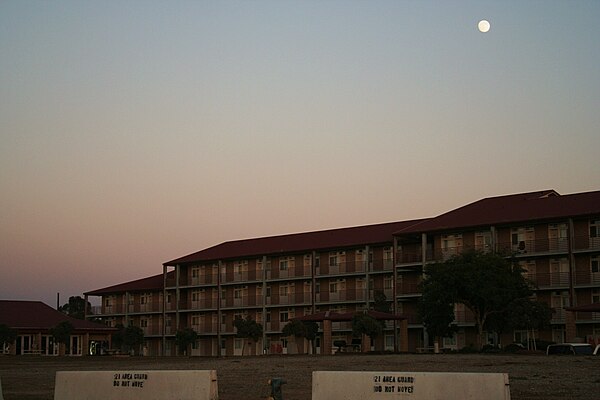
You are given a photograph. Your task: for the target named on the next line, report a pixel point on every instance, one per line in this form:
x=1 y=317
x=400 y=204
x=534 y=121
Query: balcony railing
x=525 y=247
x=341 y=295
x=544 y=280
x=407 y=289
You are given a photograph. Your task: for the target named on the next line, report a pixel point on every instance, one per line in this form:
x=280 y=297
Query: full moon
x=483 y=26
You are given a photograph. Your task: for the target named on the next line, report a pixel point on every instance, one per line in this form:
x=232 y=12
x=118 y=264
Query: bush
x=468 y=350
x=488 y=348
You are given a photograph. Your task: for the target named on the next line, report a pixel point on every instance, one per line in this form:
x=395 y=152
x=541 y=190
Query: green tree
x=436 y=309
x=7 y=336
x=76 y=307
x=184 y=338
x=486 y=283
x=128 y=338
x=364 y=324
x=62 y=334
x=530 y=315
x=301 y=330
x=247 y=329
x=380 y=302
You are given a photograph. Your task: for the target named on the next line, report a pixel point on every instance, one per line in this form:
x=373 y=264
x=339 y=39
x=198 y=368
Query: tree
x=364 y=324
x=486 y=283
x=76 y=307
x=380 y=302
x=247 y=329
x=437 y=310
x=128 y=338
x=7 y=336
x=301 y=330
x=62 y=334
x=530 y=315
x=184 y=338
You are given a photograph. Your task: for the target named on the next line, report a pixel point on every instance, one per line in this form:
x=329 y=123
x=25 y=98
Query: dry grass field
x=532 y=377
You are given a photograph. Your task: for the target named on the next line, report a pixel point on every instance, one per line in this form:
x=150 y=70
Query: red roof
x=298 y=242
x=150 y=283
x=534 y=206
x=37 y=315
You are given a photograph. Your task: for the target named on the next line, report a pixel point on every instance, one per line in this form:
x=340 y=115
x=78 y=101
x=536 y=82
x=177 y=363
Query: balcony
x=204 y=304
x=342 y=268
x=205 y=328
x=290 y=272
x=543 y=246
x=204 y=279
x=408 y=289
x=555 y=280
x=341 y=296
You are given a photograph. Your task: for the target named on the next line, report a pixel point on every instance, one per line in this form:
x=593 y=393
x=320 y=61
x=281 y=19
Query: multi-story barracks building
x=555 y=238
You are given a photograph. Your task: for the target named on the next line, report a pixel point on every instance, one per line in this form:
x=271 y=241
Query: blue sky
x=134 y=132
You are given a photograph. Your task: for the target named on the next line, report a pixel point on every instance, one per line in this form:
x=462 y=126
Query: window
x=595 y=295
x=387 y=254
x=283 y=316
x=283 y=290
x=387 y=282
x=144 y=323
x=195 y=295
x=195 y=272
x=335 y=259
x=522 y=239
x=483 y=241
x=333 y=287
x=195 y=320
x=451 y=245
x=237 y=293
x=283 y=264
x=307 y=260
x=595 y=228
x=146 y=298
x=595 y=264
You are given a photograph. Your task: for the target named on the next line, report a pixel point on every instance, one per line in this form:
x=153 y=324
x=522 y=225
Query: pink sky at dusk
x=132 y=133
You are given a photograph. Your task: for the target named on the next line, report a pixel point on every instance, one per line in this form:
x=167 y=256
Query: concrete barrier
x=134 y=385
x=351 y=385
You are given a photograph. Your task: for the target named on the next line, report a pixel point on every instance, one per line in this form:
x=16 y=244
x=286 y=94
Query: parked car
x=571 y=349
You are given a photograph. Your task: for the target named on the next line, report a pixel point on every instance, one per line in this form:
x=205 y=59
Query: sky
x=136 y=132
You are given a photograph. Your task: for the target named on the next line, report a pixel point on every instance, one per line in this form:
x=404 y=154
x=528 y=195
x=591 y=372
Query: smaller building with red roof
x=33 y=321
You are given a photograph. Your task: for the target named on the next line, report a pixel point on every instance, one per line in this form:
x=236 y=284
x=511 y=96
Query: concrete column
x=177 y=296
x=571 y=328
x=572 y=297
x=404 y=336
x=326 y=337
x=395 y=293
x=367 y=277
x=264 y=304
x=423 y=263
x=219 y=309
x=164 y=312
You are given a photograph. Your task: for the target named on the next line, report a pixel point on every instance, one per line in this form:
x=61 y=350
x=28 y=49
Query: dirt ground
x=242 y=378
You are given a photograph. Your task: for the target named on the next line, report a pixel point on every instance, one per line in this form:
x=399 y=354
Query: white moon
x=483 y=26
